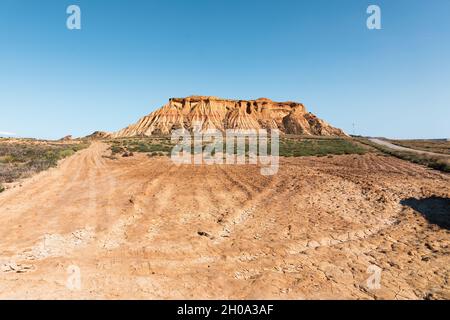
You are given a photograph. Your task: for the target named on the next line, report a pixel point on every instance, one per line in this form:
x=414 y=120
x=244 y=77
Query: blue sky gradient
x=131 y=56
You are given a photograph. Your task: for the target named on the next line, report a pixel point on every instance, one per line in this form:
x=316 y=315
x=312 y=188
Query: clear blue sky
x=131 y=56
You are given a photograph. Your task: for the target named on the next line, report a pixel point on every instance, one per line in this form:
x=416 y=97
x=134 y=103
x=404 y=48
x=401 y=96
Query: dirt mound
x=216 y=113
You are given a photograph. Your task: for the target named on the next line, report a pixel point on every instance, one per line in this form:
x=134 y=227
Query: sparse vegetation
x=290 y=146
x=21 y=158
x=436 y=146
x=434 y=162
x=294 y=147
x=152 y=145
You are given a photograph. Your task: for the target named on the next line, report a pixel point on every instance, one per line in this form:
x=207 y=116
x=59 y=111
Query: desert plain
x=141 y=227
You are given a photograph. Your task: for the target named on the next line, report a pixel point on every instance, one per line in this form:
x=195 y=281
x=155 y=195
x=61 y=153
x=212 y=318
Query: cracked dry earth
x=145 y=228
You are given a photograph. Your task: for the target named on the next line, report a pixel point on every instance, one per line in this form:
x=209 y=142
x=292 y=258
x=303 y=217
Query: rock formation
x=211 y=112
x=66 y=138
x=99 y=135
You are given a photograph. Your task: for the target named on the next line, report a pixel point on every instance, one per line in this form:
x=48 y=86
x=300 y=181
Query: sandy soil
x=142 y=227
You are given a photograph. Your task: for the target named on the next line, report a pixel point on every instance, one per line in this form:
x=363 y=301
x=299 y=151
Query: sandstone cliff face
x=222 y=114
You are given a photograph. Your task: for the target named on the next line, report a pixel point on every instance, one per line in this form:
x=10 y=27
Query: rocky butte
x=216 y=113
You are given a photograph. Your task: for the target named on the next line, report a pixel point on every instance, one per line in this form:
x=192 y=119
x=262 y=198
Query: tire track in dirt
x=136 y=211
x=239 y=216
x=308 y=231
x=39 y=209
x=379 y=224
x=85 y=164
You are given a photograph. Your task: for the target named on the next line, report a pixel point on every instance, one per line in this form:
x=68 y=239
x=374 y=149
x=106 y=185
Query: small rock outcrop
x=99 y=135
x=66 y=138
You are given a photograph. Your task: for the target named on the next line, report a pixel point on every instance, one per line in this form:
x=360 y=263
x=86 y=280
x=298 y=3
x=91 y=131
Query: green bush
x=66 y=153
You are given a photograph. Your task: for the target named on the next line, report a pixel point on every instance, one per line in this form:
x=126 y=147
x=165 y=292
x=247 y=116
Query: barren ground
x=142 y=227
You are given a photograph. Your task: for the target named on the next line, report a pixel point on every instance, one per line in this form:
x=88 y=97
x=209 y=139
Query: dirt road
x=143 y=227
x=400 y=148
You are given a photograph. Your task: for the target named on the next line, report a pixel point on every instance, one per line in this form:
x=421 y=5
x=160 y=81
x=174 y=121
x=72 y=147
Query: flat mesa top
x=195 y=98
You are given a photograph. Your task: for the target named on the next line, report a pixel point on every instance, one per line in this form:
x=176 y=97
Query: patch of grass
x=149 y=147
x=2 y=188
x=66 y=153
x=117 y=149
x=291 y=147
